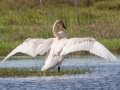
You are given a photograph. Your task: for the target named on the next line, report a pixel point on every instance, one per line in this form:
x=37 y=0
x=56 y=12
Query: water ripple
x=67 y=82
x=106 y=76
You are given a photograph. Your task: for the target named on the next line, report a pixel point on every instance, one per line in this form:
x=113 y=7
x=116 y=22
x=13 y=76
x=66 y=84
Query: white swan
x=57 y=48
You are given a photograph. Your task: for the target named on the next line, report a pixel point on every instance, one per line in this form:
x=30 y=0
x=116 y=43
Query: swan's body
x=57 y=48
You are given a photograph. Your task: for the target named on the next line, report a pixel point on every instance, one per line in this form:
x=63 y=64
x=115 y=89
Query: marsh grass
x=25 y=72
x=112 y=44
x=32 y=19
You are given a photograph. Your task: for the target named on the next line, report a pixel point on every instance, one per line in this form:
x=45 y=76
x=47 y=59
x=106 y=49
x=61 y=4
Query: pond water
x=106 y=75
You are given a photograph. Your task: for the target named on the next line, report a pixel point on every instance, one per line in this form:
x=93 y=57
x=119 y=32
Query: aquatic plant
x=25 y=72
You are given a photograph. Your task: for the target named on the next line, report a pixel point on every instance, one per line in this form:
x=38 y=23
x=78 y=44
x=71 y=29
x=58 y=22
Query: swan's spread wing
x=77 y=44
x=87 y=44
x=45 y=47
x=29 y=47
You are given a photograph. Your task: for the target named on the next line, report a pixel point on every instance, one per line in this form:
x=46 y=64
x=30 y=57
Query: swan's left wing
x=87 y=44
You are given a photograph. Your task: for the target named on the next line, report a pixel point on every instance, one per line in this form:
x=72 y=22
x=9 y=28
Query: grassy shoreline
x=25 y=72
x=31 y=19
x=111 y=44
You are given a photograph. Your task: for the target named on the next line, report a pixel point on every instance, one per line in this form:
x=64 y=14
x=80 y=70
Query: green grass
x=112 y=44
x=25 y=72
x=28 y=19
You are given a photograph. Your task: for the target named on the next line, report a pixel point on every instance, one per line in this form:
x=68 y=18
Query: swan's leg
x=58 y=69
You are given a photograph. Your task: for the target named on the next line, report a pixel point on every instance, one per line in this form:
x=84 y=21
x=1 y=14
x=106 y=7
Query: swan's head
x=59 y=23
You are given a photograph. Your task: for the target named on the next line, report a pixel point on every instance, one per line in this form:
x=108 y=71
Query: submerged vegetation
x=25 y=72
x=22 y=19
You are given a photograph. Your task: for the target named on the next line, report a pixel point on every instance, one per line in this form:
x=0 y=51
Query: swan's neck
x=54 y=31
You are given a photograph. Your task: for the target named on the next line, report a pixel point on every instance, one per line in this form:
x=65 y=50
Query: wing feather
x=29 y=47
x=76 y=44
x=45 y=46
x=87 y=44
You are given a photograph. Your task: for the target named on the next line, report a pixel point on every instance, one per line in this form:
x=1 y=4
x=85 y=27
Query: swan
x=58 y=47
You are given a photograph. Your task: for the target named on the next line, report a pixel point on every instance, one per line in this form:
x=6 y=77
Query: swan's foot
x=58 y=69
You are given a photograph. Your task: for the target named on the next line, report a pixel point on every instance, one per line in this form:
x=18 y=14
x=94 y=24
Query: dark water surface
x=106 y=75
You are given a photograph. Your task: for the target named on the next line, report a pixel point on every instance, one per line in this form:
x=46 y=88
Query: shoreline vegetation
x=25 y=72
x=22 y=19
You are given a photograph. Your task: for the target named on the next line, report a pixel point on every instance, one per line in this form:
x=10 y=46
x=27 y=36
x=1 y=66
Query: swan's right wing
x=29 y=47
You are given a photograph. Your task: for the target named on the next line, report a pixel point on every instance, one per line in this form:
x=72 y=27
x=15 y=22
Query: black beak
x=64 y=26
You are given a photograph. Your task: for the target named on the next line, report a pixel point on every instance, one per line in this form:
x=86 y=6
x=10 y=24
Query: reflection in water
x=105 y=77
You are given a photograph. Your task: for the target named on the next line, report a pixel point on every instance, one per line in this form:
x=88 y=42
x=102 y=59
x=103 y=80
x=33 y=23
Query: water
x=105 y=77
